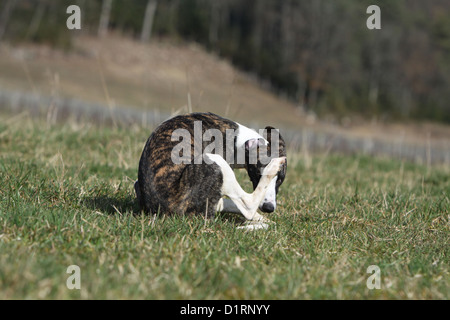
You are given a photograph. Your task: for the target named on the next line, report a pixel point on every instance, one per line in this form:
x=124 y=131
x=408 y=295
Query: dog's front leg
x=227 y=205
x=241 y=201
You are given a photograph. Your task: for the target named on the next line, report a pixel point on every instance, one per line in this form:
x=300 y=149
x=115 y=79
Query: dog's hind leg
x=199 y=189
x=243 y=202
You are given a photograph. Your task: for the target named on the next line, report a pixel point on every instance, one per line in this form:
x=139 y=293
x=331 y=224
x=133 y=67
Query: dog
x=192 y=177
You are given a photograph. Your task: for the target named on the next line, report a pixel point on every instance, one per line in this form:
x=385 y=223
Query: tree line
x=318 y=53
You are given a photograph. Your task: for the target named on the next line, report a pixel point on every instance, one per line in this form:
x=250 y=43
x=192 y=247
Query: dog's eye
x=280 y=180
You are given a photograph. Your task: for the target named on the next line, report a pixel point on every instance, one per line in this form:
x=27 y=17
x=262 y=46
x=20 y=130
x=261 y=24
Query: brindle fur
x=167 y=188
x=254 y=171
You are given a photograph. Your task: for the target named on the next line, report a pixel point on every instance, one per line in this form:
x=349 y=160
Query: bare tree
x=104 y=18
x=214 y=23
x=148 y=20
x=6 y=13
x=37 y=18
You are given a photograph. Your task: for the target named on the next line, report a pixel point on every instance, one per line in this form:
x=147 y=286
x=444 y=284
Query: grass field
x=66 y=198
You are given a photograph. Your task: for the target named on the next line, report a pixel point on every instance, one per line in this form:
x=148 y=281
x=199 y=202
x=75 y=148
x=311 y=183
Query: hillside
x=158 y=76
x=165 y=78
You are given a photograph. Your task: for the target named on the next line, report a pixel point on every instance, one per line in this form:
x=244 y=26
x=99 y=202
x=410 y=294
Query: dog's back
x=184 y=188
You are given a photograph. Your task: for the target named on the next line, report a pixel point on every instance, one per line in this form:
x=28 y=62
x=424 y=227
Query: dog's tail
x=145 y=190
x=137 y=189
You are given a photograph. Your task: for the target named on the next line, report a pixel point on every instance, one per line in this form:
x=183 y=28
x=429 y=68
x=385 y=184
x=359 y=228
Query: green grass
x=66 y=198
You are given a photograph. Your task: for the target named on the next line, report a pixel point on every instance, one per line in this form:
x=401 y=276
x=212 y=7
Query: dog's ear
x=272 y=135
x=254 y=143
x=269 y=131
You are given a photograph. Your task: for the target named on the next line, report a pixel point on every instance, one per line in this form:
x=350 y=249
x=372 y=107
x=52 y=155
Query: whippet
x=194 y=175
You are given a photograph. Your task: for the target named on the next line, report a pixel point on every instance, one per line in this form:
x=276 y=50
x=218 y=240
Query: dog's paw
x=273 y=167
x=260 y=219
x=253 y=225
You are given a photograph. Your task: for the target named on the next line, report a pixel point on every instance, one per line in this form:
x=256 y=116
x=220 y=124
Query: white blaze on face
x=271 y=194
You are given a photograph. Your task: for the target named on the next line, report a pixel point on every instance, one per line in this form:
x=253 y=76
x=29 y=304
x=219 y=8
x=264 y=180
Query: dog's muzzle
x=268 y=207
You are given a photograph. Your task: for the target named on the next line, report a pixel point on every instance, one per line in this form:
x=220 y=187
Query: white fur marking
x=246 y=203
x=271 y=194
x=251 y=226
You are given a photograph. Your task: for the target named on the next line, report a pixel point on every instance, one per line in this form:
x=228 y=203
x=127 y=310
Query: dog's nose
x=268 y=207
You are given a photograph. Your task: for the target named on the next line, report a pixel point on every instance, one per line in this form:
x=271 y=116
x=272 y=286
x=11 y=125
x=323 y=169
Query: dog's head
x=274 y=149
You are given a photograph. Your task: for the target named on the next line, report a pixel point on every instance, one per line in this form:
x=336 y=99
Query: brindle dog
x=198 y=187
